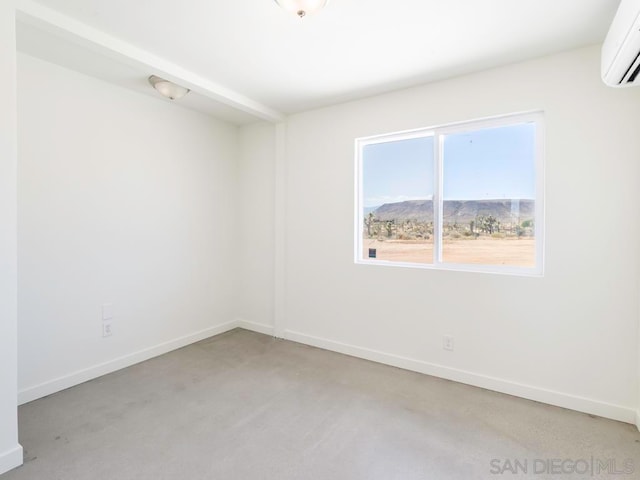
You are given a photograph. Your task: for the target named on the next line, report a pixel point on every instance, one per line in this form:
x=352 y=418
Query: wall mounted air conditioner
x=621 y=48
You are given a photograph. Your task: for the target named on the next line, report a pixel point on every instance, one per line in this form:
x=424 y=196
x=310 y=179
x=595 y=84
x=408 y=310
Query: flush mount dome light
x=167 y=88
x=302 y=7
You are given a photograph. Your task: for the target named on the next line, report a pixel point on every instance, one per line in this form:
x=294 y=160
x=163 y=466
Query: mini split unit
x=621 y=48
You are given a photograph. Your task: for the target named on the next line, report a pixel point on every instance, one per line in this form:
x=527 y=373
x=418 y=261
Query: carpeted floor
x=243 y=406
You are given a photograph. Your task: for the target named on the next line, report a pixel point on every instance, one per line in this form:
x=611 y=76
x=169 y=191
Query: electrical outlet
x=447 y=342
x=106 y=329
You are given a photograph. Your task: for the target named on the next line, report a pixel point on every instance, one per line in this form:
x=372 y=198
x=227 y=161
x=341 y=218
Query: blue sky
x=485 y=164
x=397 y=171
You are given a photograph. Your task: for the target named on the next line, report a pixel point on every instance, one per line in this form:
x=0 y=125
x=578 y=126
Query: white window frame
x=438 y=133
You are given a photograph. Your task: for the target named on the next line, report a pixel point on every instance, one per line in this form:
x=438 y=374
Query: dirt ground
x=483 y=251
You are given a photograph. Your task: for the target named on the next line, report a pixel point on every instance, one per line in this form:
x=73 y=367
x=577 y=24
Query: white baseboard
x=52 y=386
x=573 y=402
x=10 y=459
x=559 y=399
x=257 y=327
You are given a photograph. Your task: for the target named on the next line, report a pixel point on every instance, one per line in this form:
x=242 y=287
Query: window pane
x=397 y=190
x=489 y=197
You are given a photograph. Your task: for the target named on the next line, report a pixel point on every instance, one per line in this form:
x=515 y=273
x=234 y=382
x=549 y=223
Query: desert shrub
x=519 y=231
x=455 y=235
x=498 y=235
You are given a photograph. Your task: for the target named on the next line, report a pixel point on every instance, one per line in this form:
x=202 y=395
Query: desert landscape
x=486 y=232
x=481 y=251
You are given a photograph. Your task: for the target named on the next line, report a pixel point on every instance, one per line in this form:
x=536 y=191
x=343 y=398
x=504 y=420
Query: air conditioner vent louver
x=633 y=71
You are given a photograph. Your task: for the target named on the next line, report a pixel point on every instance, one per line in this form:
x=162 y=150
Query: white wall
x=122 y=199
x=569 y=338
x=257 y=199
x=10 y=450
x=110 y=202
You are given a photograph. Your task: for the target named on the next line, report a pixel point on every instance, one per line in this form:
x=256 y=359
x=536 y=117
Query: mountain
x=417 y=210
x=457 y=211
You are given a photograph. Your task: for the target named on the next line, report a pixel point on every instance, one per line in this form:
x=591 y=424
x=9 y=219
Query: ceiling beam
x=54 y=22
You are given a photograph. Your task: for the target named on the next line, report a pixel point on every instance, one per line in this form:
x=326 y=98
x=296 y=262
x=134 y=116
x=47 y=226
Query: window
x=467 y=196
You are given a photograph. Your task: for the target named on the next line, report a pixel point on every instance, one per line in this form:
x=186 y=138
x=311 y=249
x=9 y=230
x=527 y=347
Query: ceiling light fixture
x=167 y=88
x=302 y=7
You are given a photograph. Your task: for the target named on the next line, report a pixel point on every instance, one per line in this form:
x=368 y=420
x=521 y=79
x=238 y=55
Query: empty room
x=319 y=239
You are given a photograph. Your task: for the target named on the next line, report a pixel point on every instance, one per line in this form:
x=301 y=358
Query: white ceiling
x=256 y=55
